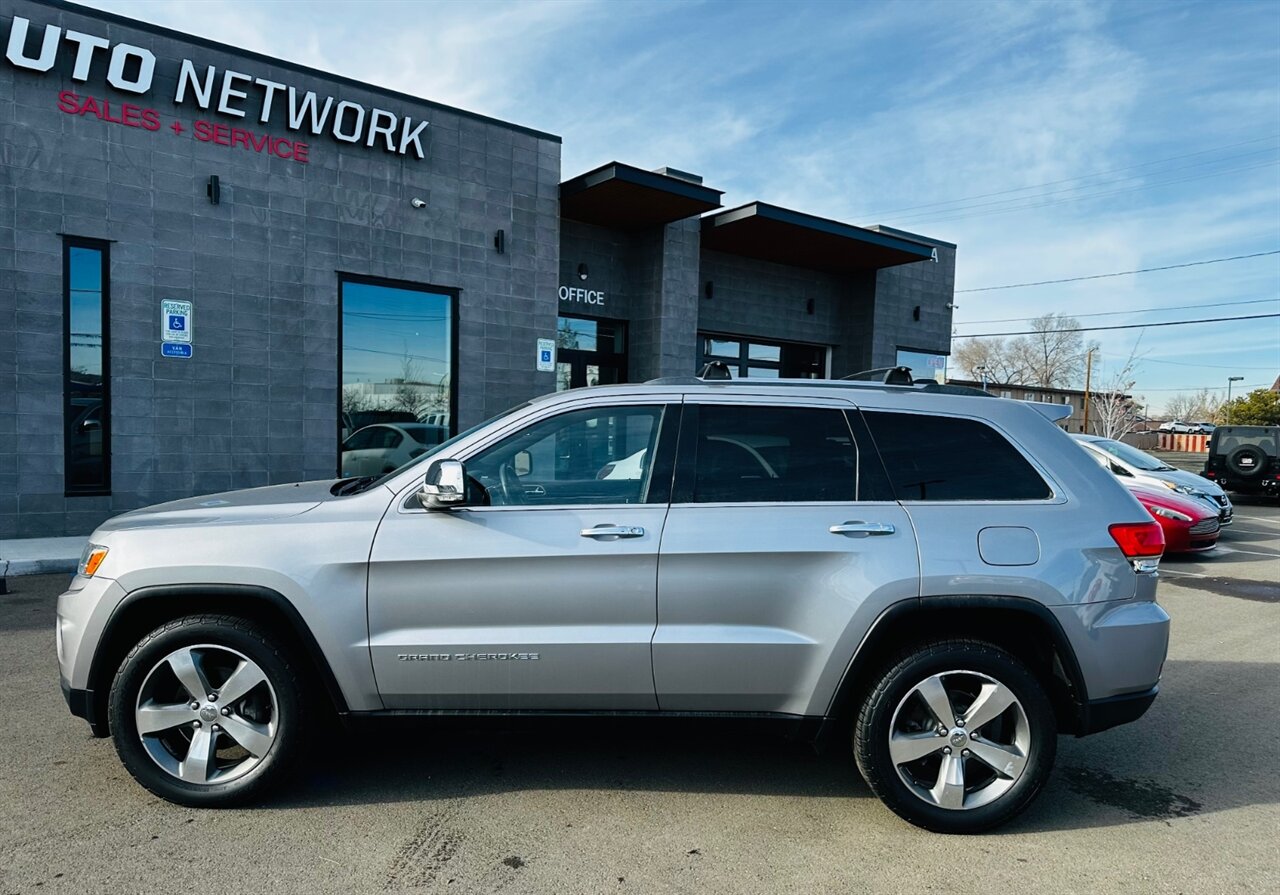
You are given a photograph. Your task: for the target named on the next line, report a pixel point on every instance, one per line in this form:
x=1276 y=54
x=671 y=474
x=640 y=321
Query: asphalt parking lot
x=1185 y=800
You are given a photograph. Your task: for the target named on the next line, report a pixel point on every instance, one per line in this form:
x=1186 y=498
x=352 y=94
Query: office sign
x=577 y=295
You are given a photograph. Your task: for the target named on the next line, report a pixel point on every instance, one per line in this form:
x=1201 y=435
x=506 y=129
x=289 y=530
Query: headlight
x=92 y=557
x=1170 y=514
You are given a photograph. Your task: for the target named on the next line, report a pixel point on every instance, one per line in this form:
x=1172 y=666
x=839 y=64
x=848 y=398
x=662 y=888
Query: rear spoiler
x=1049 y=410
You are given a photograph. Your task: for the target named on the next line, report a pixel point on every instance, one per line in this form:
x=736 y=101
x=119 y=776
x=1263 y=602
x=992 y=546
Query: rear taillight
x=1142 y=543
x=1210 y=474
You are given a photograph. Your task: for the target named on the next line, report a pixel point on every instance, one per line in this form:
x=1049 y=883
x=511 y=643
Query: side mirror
x=445 y=486
x=523 y=463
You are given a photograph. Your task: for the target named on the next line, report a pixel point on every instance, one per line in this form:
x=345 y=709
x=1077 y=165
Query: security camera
x=951 y=307
x=418 y=203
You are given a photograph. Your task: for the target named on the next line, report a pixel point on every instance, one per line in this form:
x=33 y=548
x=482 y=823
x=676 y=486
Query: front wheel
x=207 y=711
x=956 y=737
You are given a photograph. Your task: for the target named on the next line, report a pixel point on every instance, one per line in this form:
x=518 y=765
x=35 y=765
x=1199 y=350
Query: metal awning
x=759 y=230
x=625 y=197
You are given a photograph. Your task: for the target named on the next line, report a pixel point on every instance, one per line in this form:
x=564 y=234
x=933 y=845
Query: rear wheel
x=206 y=711
x=956 y=737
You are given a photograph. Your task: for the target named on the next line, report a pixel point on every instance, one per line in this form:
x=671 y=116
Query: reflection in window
x=599 y=455
x=764 y=360
x=86 y=411
x=773 y=454
x=397 y=355
x=923 y=364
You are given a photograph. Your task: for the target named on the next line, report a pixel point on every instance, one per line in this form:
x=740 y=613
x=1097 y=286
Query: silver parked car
x=1128 y=462
x=942 y=580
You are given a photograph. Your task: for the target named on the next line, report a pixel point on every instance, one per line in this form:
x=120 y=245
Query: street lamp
x=983 y=370
x=1231 y=379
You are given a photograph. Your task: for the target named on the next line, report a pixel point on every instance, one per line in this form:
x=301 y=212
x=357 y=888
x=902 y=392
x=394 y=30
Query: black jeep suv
x=1245 y=459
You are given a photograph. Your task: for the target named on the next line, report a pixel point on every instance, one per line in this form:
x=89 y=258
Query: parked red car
x=1189 y=525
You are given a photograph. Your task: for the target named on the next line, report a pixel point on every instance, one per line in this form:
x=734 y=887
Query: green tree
x=1261 y=407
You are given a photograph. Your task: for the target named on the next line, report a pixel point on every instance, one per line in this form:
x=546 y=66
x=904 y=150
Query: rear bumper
x=1103 y=714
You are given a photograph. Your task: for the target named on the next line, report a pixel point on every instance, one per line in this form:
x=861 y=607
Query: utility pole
x=1231 y=379
x=983 y=369
x=1088 y=381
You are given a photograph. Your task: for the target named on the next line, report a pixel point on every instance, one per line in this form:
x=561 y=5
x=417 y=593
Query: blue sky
x=1156 y=126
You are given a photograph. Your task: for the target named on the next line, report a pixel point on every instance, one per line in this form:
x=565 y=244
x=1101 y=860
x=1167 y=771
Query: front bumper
x=83 y=704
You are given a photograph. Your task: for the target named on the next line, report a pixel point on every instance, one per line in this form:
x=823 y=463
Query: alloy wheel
x=959 y=739
x=207 y=714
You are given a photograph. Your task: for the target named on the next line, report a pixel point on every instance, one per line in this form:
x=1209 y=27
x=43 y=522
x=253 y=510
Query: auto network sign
x=253 y=100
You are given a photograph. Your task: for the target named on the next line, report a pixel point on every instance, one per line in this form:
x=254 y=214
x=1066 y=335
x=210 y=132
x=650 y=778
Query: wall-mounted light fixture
x=809 y=306
x=418 y=203
x=213 y=189
x=915 y=313
x=500 y=241
x=582 y=271
x=709 y=289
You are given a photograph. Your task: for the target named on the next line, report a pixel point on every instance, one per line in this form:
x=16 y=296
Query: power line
x=1121 y=273
x=1200 y=388
x=1023 y=189
x=1087 y=329
x=1130 y=178
x=965 y=213
x=1181 y=363
x=1221 y=304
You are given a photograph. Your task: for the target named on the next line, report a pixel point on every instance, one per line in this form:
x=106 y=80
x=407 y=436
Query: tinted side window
x=773 y=454
x=945 y=458
x=598 y=455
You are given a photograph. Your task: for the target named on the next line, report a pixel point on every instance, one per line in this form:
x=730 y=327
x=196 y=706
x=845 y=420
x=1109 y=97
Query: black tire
x=873 y=728
x=234 y=633
x=1236 y=461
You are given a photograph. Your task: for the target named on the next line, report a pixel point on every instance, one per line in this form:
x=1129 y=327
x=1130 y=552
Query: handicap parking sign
x=546 y=356
x=175 y=321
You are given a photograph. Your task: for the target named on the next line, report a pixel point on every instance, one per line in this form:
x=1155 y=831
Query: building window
x=590 y=351
x=86 y=393
x=923 y=364
x=755 y=359
x=397 y=366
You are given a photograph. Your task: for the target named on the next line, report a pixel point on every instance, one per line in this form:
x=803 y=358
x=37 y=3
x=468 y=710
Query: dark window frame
x=875 y=417
x=454 y=294
x=868 y=482
x=745 y=363
x=103 y=248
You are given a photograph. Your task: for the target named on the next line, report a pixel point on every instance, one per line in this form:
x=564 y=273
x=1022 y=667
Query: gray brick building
x=216 y=266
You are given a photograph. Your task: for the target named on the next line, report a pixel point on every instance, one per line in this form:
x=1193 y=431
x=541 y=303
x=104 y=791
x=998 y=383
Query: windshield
x=1131 y=455
x=355 y=486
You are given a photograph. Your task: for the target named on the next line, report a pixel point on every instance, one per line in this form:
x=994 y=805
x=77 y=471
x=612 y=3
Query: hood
x=1154 y=496
x=1190 y=479
x=250 y=505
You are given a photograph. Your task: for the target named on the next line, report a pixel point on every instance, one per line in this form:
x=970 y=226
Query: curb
x=15 y=568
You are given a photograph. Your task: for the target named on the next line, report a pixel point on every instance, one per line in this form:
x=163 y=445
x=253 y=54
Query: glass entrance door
x=590 y=351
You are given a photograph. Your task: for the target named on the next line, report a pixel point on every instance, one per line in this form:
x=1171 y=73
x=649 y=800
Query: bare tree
x=1196 y=407
x=411 y=394
x=1114 y=413
x=354 y=400
x=1052 y=356
x=992 y=355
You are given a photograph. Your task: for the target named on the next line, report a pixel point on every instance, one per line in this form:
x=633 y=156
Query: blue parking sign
x=177 y=322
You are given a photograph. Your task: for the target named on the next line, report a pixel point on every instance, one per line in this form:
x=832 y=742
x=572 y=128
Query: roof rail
x=887 y=375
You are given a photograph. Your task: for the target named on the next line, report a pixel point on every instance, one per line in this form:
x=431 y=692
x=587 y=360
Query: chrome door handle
x=862 y=529
x=613 y=531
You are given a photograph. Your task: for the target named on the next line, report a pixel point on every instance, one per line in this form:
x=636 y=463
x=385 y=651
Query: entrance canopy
x=759 y=230
x=624 y=197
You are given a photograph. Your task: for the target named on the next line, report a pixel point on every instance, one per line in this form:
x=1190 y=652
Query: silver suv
x=939 y=579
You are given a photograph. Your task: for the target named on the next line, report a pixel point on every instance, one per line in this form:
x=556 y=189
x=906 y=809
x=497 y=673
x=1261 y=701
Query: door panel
x=514 y=609
x=512 y=603
x=755 y=603
x=760 y=603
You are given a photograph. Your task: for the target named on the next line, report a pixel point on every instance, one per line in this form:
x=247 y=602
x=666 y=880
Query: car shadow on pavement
x=1196 y=751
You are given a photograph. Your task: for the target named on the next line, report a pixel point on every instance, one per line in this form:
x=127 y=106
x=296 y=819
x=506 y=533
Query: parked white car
x=382 y=447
